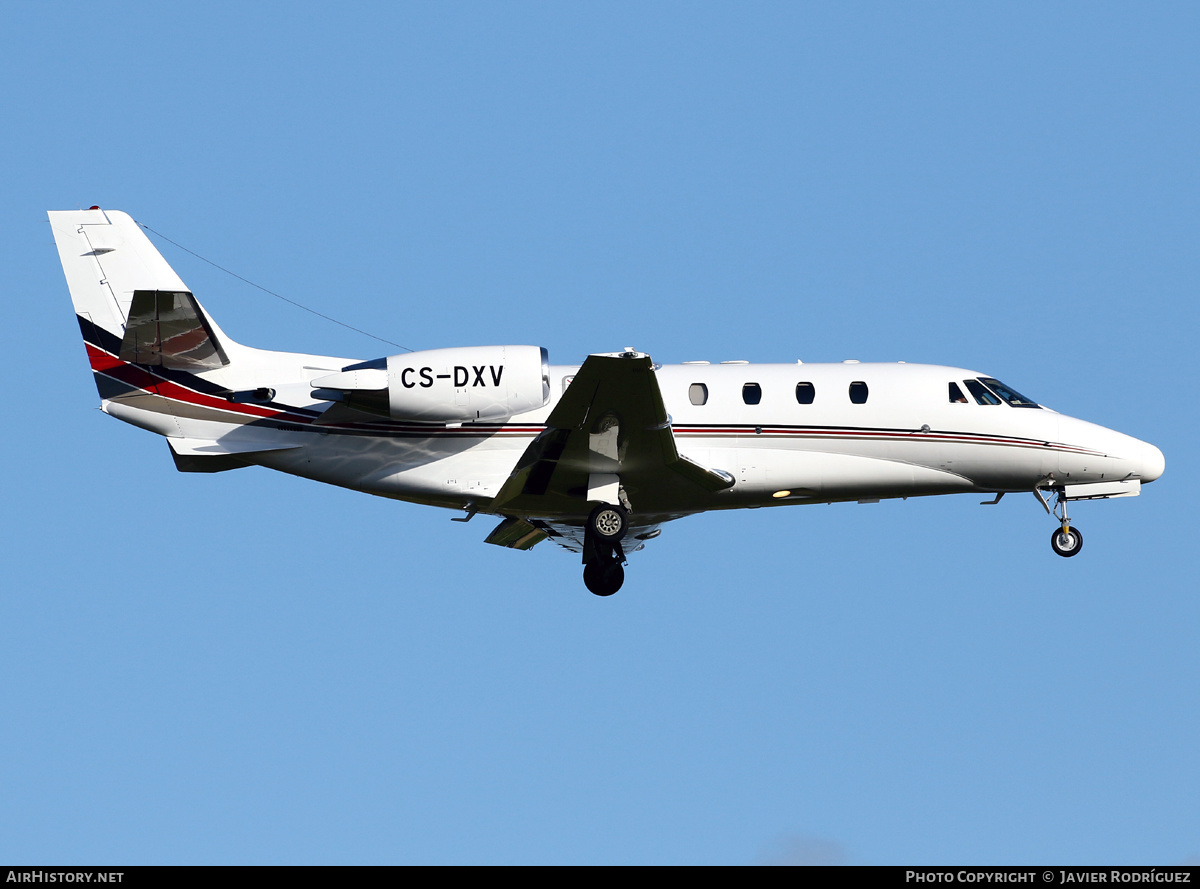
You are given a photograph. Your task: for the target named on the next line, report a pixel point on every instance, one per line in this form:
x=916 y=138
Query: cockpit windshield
x=980 y=392
x=1012 y=396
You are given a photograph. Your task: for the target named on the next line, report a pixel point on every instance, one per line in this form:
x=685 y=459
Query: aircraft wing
x=610 y=429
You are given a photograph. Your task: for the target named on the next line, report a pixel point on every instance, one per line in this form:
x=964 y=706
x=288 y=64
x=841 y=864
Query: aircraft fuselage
x=581 y=454
x=908 y=438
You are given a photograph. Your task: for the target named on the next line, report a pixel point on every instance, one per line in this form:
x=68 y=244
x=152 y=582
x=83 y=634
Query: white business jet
x=595 y=457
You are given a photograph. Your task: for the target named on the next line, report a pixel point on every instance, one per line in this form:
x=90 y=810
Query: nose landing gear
x=1066 y=540
x=603 y=557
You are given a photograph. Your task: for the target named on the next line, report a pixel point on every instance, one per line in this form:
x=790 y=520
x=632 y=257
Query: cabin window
x=858 y=392
x=805 y=393
x=1012 y=396
x=752 y=393
x=697 y=393
x=982 y=395
x=956 y=396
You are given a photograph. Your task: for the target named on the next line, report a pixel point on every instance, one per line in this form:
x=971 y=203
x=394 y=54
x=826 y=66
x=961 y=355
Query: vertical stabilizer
x=107 y=258
x=133 y=310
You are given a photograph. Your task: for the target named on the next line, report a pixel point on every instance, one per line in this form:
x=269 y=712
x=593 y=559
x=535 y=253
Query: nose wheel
x=1066 y=541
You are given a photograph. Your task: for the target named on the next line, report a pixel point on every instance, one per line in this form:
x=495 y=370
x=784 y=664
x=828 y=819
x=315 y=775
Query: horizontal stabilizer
x=167 y=329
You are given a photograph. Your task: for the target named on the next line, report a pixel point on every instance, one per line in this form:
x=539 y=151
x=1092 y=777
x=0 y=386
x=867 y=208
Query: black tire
x=603 y=578
x=609 y=523
x=1066 y=543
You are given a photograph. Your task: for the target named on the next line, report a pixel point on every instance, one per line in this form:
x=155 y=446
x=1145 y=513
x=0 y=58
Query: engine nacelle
x=445 y=385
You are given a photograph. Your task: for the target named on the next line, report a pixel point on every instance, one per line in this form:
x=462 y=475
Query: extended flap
x=516 y=533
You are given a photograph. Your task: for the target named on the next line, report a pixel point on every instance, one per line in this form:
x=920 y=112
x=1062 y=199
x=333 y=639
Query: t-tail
x=132 y=307
x=161 y=363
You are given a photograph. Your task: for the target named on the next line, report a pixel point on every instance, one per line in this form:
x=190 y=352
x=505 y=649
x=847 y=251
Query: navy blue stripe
x=107 y=341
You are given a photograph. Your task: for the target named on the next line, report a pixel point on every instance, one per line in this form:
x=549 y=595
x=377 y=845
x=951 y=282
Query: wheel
x=608 y=522
x=1066 y=543
x=603 y=578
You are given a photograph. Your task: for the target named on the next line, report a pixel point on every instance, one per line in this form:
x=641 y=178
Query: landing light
x=779 y=494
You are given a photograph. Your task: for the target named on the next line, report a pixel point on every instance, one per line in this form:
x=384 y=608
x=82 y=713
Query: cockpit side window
x=956 y=396
x=1012 y=396
x=982 y=395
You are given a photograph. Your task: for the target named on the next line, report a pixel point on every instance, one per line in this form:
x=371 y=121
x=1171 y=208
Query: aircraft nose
x=1152 y=461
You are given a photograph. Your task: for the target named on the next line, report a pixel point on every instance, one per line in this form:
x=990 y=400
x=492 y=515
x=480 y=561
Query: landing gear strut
x=603 y=557
x=1066 y=541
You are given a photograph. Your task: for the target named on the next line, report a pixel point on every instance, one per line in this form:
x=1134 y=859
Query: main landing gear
x=603 y=558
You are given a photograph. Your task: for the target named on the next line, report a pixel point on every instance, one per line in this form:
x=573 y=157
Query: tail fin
x=131 y=305
x=106 y=257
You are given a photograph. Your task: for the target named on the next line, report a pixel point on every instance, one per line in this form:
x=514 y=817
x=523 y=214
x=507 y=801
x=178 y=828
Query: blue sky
x=251 y=668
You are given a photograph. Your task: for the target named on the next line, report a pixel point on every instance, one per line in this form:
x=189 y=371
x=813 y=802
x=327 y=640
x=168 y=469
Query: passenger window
x=858 y=392
x=982 y=395
x=956 y=396
x=805 y=393
x=697 y=393
x=752 y=393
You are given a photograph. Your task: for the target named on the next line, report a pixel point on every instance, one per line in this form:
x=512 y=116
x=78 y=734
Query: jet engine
x=444 y=385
